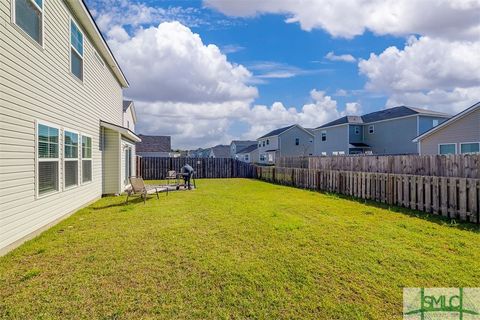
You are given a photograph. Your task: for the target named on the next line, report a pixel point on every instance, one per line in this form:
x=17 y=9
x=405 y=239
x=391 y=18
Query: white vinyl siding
x=24 y=71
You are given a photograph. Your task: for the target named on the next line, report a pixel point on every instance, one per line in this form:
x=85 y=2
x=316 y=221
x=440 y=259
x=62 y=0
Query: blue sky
x=324 y=64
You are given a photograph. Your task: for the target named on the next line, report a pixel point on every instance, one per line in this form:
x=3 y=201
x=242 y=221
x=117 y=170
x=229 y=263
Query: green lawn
x=235 y=249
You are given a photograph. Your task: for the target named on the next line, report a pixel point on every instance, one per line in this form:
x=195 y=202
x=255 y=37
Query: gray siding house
x=458 y=135
x=388 y=131
x=61 y=116
x=293 y=140
x=237 y=145
x=248 y=154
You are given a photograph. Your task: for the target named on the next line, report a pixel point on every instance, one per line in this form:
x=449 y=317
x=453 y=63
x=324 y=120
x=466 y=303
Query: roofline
x=134 y=111
x=291 y=127
x=122 y=130
x=83 y=15
x=336 y=125
x=447 y=122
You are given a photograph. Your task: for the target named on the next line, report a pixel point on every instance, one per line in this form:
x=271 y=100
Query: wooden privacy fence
x=460 y=165
x=456 y=198
x=154 y=168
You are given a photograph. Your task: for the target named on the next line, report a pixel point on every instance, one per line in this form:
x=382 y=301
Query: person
x=187 y=172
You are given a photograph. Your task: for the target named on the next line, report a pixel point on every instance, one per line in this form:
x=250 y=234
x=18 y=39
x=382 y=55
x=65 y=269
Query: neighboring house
x=293 y=140
x=237 y=145
x=458 y=135
x=155 y=146
x=61 y=119
x=388 y=131
x=248 y=154
x=129 y=115
x=219 y=151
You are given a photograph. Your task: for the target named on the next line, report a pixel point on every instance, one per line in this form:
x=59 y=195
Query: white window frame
x=297 y=141
x=65 y=159
x=268 y=142
x=357 y=130
x=246 y=157
x=435 y=122
x=473 y=142
x=72 y=47
x=447 y=144
x=263 y=143
x=38 y=159
x=82 y=158
x=14 y=22
x=371 y=129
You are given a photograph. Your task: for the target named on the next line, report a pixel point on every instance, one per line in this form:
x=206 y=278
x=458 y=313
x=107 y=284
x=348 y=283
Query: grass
x=235 y=249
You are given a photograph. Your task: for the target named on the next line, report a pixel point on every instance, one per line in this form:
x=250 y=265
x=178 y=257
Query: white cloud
x=322 y=109
x=443 y=18
x=276 y=70
x=428 y=72
x=171 y=63
x=343 y=57
x=231 y=48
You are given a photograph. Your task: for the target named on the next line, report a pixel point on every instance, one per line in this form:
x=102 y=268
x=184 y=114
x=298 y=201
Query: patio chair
x=138 y=187
x=171 y=175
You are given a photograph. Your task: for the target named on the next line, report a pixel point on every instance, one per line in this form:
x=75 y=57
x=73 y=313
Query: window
x=76 y=51
x=335 y=153
x=259 y=144
x=435 y=122
x=448 y=148
x=470 y=147
x=357 y=130
x=341 y=153
x=268 y=142
x=270 y=157
x=263 y=143
x=324 y=135
x=246 y=157
x=324 y=153
x=128 y=164
x=86 y=159
x=29 y=17
x=48 y=159
x=297 y=141
x=262 y=157
x=371 y=129
x=70 y=163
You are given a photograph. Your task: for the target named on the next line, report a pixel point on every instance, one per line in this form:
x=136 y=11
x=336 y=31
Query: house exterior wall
x=353 y=136
x=128 y=121
x=252 y=156
x=465 y=129
x=262 y=150
x=392 y=136
x=337 y=140
x=288 y=147
x=25 y=70
x=111 y=161
x=425 y=123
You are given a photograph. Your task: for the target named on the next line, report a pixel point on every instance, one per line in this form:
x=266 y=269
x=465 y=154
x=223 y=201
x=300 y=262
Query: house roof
x=456 y=117
x=276 y=132
x=122 y=130
x=249 y=149
x=241 y=144
x=126 y=104
x=84 y=17
x=390 y=113
x=343 y=120
x=154 y=144
x=221 y=151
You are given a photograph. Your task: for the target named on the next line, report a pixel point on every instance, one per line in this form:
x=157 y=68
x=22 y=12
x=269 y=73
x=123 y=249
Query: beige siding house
x=458 y=135
x=61 y=117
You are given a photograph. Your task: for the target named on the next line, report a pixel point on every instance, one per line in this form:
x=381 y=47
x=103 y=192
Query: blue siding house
x=388 y=131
